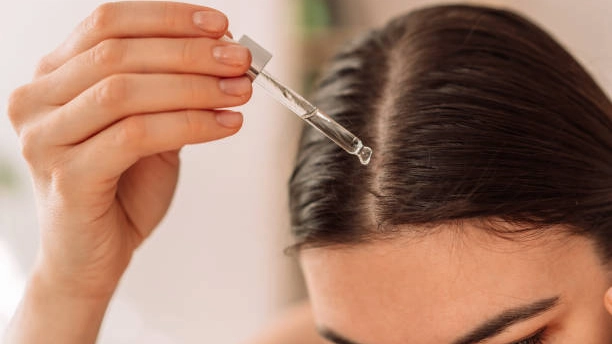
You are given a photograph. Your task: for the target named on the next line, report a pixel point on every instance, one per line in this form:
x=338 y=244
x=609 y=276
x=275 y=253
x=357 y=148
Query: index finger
x=133 y=19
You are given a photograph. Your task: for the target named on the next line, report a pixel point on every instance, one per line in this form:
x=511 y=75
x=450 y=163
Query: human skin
x=436 y=287
x=101 y=126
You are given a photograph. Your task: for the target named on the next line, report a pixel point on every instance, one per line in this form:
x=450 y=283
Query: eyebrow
x=507 y=318
x=333 y=336
x=486 y=330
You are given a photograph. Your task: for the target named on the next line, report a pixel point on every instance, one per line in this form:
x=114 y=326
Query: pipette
x=300 y=106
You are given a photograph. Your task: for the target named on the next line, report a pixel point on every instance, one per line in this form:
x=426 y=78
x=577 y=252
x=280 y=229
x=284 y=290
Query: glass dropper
x=300 y=106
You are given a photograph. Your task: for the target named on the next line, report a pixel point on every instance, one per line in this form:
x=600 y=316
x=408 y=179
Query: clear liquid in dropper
x=313 y=116
x=337 y=133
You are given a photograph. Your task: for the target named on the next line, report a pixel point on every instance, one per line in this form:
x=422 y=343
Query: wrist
x=61 y=279
x=55 y=310
x=48 y=284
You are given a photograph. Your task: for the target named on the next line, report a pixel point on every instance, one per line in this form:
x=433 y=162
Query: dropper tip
x=364 y=154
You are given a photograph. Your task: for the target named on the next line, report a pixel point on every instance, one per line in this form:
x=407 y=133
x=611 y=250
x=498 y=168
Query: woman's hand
x=101 y=125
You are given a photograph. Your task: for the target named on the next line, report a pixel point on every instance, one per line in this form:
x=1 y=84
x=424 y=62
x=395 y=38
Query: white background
x=214 y=270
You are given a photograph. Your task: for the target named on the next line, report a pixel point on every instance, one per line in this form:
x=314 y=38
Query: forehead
x=433 y=288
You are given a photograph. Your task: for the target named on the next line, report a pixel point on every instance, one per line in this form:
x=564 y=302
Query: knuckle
x=169 y=15
x=108 y=53
x=192 y=89
x=193 y=124
x=29 y=138
x=111 y=91
x=130 y=132
x=16 y=102
x=101 y=17
x=190 y=56
x=44 y=65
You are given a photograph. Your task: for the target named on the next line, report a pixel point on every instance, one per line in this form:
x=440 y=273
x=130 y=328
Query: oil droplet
x=364 y=154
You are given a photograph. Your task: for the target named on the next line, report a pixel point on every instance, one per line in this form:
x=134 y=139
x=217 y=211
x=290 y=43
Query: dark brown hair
x=473 y=114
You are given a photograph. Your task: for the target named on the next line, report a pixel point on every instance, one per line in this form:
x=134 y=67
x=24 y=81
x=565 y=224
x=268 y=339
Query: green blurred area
x=316 y=16
x=8 y=178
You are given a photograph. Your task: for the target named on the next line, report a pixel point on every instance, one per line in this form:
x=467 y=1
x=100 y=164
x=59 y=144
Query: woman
x=484 y=216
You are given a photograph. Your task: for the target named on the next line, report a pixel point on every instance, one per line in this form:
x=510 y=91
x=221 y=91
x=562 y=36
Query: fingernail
x=229 y=119
x=231 y=55
x=210 y=21
x=235 y=86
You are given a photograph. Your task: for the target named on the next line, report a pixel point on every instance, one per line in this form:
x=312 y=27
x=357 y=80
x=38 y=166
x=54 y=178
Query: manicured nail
x=229 y=119
x=231 y=55
x=235 y=86
x=210 y=21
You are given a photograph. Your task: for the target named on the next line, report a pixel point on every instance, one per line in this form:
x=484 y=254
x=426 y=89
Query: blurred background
x=214 y=271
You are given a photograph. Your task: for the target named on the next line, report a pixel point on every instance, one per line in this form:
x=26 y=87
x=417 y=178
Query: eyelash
x=537 y=338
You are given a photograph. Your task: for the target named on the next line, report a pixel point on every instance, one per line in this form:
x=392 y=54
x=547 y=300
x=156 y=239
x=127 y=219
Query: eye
x=537 y=338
